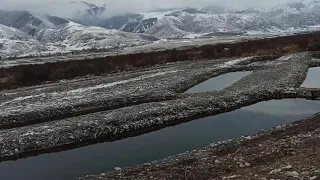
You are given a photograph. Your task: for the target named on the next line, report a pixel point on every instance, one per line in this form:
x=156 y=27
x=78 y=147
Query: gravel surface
x=274 y=79
x=78 y=97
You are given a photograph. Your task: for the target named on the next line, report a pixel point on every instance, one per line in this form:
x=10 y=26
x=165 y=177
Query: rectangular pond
x=218 y=83
x=99 y=158
x=313 y=78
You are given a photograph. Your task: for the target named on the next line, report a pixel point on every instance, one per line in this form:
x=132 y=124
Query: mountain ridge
x=48 y=34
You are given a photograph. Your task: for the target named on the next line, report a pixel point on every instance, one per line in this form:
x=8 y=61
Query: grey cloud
x=66 y=9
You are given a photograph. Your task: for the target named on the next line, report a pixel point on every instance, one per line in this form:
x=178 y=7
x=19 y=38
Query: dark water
x=218 y=83
x=313 y=78
x=104 y=157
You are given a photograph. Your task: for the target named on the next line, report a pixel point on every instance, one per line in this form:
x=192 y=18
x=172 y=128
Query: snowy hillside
x=77 y=37
x=295 y=15
x=182 y=22
x=29 y=22
x=14 y=42
x=71 y=37
x=25 y=33
x=28 y=33
x=88 y=13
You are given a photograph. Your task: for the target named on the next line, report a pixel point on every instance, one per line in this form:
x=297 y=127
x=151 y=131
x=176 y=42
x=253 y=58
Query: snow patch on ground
x=66 y=97
x=234 y=62
x=101 y=86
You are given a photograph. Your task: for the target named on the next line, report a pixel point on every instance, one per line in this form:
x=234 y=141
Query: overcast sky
x=130 y=6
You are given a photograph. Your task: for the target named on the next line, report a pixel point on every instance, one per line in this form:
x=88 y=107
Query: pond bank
x=285 y=152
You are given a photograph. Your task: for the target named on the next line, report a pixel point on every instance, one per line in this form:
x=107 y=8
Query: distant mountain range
x=215 y=19
x=27 y=33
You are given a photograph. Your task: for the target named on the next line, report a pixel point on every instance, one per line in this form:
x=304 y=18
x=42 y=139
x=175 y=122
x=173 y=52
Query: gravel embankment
x=78 y=97
x=269 y=80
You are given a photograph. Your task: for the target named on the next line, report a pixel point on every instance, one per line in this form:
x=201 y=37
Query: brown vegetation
x=28 y=75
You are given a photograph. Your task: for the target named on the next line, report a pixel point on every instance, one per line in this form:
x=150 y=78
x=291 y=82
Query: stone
x=248 y=138
x=232 y=177
x=217 y=162
x=313 y=178
x=292 y=174
x=288 y=167
x=275 y=171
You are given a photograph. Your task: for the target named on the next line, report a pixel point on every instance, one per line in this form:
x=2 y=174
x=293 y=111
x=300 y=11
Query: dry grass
x=28 y=75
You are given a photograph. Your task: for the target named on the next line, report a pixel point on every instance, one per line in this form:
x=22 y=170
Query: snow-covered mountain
x=295 y=15
x=314 y=7
x=137 y=23
x=69 y=37
x=88 y=13
x=29 y=22
x=24 y=32
x=14 y=42
x=77 y=37
x=213 y=19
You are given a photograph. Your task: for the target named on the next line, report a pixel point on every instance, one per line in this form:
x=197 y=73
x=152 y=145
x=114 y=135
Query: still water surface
x=160 y=144
x=99 y=158
x=218 y=83
x=313 y=78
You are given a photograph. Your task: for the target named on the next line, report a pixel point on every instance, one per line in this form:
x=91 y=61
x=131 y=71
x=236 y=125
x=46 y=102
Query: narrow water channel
x=218 y=83
x=313 y=78
x=196 y=134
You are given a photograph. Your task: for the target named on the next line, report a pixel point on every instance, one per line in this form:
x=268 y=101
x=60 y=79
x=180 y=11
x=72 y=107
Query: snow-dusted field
x=63 y=99
x=160 y=45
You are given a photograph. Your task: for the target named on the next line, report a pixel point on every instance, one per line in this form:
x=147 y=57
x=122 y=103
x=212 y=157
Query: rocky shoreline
x=285 y=152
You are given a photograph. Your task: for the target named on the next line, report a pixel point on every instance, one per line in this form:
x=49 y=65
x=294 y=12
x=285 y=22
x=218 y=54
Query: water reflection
x=312 y=80
x=218 y=83
x=196 y=134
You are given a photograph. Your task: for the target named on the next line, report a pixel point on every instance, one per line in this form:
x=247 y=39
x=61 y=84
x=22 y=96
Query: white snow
x=171 y=24
x=101 y=86
x=14 y=42
x=44 y=20
x=65 y=97
x=285 y=58
x=158 y=15
x=69 y=38
x=234 y=62
x=193 y=36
